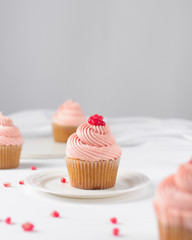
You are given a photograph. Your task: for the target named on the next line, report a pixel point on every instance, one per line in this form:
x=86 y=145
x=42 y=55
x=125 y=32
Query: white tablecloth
x=89 y=219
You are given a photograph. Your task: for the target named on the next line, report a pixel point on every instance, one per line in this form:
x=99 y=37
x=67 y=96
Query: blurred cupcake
x=92 y=155
x=11 y=143
x=173 y=205
x=66 y=120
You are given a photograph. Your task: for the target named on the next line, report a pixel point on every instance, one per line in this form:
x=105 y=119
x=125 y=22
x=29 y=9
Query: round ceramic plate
x=49 y=181
x=43 y=147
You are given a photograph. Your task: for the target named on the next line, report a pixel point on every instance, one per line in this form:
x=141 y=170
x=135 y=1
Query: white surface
x=43 y=147
x=49 y=182
x=86 y=219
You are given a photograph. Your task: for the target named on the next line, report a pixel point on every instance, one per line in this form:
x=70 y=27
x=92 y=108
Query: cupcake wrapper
x=62 y=133
x=10 y=156
x=174 y=232
x=92 y=175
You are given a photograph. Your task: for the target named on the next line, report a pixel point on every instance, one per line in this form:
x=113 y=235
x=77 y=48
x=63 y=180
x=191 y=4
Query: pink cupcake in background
x=173 y=205
x=11 y=143
x=66 y=120
x=93 y=155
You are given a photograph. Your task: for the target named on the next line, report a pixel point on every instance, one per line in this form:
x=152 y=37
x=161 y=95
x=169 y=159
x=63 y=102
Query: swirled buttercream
x=9 y=134
x=93 y=143
x=69 y=114
x=173 y=201
x=183 y=178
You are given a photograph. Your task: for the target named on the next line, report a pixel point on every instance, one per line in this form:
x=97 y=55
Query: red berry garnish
x=91 y=121
x=55 y=214
x=33 y=168
x=8 y=220
x=27 y=226
x=100 y=118
x=115 y=231
x=7 y=184
x=113 y=220
x=99 y=123
x=21 y=182
x=63 y=180
x=190 y=162
x=96 y=120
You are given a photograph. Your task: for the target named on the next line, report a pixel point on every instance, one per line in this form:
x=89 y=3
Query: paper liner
x=10 y=156
x=174 y=232
x=92 y=175
x=62 y=133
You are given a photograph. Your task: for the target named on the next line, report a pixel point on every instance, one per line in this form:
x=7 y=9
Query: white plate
x=49 y=181
x=43 y=147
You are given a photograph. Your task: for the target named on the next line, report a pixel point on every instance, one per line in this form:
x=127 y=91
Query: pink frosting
x=69 y=114
x=9 y=134
x=183 y=177
x=173 y=201
x=93 y=143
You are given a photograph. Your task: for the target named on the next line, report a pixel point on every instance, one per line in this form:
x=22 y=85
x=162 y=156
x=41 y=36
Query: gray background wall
x=117 y=58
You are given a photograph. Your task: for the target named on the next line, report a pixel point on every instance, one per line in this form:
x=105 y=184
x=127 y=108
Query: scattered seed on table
x=33 y=168
x=8 y=220
x=21 y=182
x=115 y=231
x=7 y=184
x=55 y=214
x=27 y=226
x=113 y=220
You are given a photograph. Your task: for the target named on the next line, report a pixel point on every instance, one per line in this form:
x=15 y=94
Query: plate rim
x=106 y=194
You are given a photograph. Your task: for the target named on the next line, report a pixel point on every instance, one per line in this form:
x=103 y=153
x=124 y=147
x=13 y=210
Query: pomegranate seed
x=33 y=168
x=7 y=184
x=8 y=220
x=96 y=120
x=91 y=121
x=115 y=231
x=27 y=226
x=21 y=182
x=63 y=180
x=55 y=214
x=113 y=220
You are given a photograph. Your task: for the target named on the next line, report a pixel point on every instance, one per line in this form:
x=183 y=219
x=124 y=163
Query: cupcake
x=11 y=143
x=66 y=120
x=173 y=205
x=92 y=155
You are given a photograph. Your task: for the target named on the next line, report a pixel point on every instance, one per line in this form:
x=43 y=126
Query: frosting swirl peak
x=5 y=121
x=9 y=134
x=93 y=143
x=69 y=114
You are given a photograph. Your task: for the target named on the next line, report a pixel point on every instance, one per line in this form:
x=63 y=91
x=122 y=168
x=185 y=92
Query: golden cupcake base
x=92 y=175
x=10 y=156
x=62 y=133
x=174 y=233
